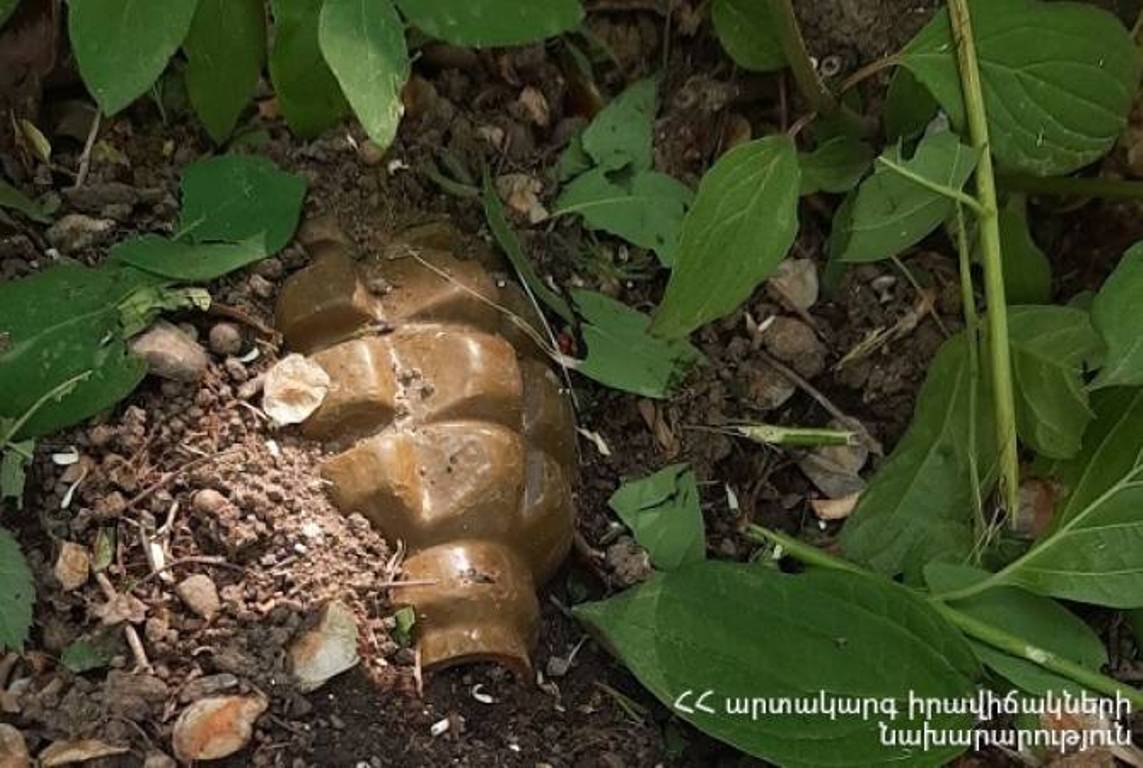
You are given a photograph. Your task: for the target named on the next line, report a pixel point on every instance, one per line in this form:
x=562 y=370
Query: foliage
x=1115 y=314
x=663 y=512
x=492 y=22
x=10 y=197
x=17 y=593
x=225 y=50
x=747 y=32
x=836 y=165
x=1027 y=273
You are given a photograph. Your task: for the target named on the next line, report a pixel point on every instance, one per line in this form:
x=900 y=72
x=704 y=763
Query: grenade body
x=450 y=434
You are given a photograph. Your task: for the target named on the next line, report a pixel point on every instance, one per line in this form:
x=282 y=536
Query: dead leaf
x=834 y=509
x=521 y=193
x=79 y=751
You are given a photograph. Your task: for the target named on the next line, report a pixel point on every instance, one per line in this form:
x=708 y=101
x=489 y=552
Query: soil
x=278 y=550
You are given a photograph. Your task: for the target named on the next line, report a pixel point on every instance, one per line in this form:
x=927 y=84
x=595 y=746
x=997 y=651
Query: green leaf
x=83 y=656
x=1116 y=315
x=6 y=9
x=1058 y=79
x=621 y=133
x=835 y=166
x=620 y=352
x=492 y=22
x=919 y=504
x=363 y=41
x=225 y=48
x=63 y=322
x=748 y=33
x=1112 y=447
x=17 y=593
x=187 y=262
x=663 y=512
x=14 y=460
x=1050 y=348
x=510 y=244
x=909 y=107
x=892 y=212
x=1045 y=622
x=1027 y=273
x=122 y=46
x=742 y=224
x=308 y=93
x=238 y=197
x=1096 y=556
x=574 y=160
x=746 y=632
x=10 y=197
x=645 y=208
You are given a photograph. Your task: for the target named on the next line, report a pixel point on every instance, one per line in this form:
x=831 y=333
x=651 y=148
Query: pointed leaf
x=187 y=262
x=1116 y=315
x=1027 y=273
x=10 y=197
x=225 y=48
x=1058 y=79
x=742 y=224
x=662 y=511
x=492 y=22
x=621 y=133
x=747 y=31
x=308 y=94
x=909 y=107
x=835 y=166
x=17 y=593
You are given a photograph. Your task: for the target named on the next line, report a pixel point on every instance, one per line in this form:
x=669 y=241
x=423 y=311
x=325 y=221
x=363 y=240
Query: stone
x=73 y=566
x=200 y=595
x=795 y=343
x=78 y=751
x=216 y=727
x=293 y=389
x=327 y=650
x=13 y=749
x=75 y=232
x=211 y=685
x=796 y=281
x=209 y=502
x=170 y=353
x=225 y=339
x=156 y=759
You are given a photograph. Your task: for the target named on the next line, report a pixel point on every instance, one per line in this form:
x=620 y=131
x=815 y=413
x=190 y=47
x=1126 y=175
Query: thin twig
x=236 y=313
x=170 y=477
x=88 y=146
x=210 y=560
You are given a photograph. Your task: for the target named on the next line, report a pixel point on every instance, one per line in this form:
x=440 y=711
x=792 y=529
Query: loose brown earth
x=279 y=550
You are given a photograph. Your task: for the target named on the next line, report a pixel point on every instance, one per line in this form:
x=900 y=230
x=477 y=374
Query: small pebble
x=225 y=339
x=199 y=594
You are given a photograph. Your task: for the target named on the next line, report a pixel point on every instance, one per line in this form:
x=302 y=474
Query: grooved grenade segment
x=450 y=433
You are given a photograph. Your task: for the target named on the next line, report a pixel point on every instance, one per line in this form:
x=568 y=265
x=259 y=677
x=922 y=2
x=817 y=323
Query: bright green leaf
x=17 y=593
x=663 y=512
x=308 y=93
x=645 y=208
x=747 y=31
x=620 y=352
x=1027 y=272
x=919 y=505
x=835 y=166
x=83 y=656
x=1058 y=79
x=187 y=262
x=892 y=212
x=510 y=244
x=1116 y=315
x=238 y=197
x=1041 y=621
x=10 y=197
x=742 y=224
x=225 y=48
x=909 y=107
x=621 y=133
x=363 y=41
x=1051 y=346
x=492 y=22
x=747 y=632
x=122 y=46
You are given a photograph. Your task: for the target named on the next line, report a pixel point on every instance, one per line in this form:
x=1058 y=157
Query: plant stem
x=799 y=550
x=1022 y=649
x=989 y=234
x=1070 y=186
x=952 y=193
x=868 y=71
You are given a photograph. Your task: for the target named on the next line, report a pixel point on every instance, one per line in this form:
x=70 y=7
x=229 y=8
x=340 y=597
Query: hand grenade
x=448 y=429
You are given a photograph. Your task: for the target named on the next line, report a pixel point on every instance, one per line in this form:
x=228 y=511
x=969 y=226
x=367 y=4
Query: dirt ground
x=279 y=549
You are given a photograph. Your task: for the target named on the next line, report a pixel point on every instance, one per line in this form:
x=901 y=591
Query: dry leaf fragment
x=79 y=751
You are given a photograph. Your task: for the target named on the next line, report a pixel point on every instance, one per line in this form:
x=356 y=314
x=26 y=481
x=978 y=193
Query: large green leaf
x=835 y=166
x=187 y=262
x=663 y=512
x=748 y=33
x=893 y=212
x=1096 y=556
x=754 y=634
x=1117 y=316
x=1027 y=272
x=61 y=323
x=742 y=224
x=620 y=352
x=1051 y=346
x=909 y=107
x=621 y=133
x=919 y=504
x=122 y=46
x=17 y=593
x=1058 y=79
x=225 y=48
x=10 y=197
x=363 y=42
x=1045 y=622
x=645 y=208
x=308 y=93
x=1112 y=447
x=492 y=22
x=238 y=197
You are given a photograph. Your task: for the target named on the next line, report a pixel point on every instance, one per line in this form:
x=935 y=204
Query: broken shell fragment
x=293 y=389
x=216 y=727
x=327 y=650
x=454 y=437
x=80 y=751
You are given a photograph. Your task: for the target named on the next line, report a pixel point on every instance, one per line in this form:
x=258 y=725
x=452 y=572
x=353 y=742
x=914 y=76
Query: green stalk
x=989 y=234
x=971 y=324
x=799 y=550
x=1071 y=186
